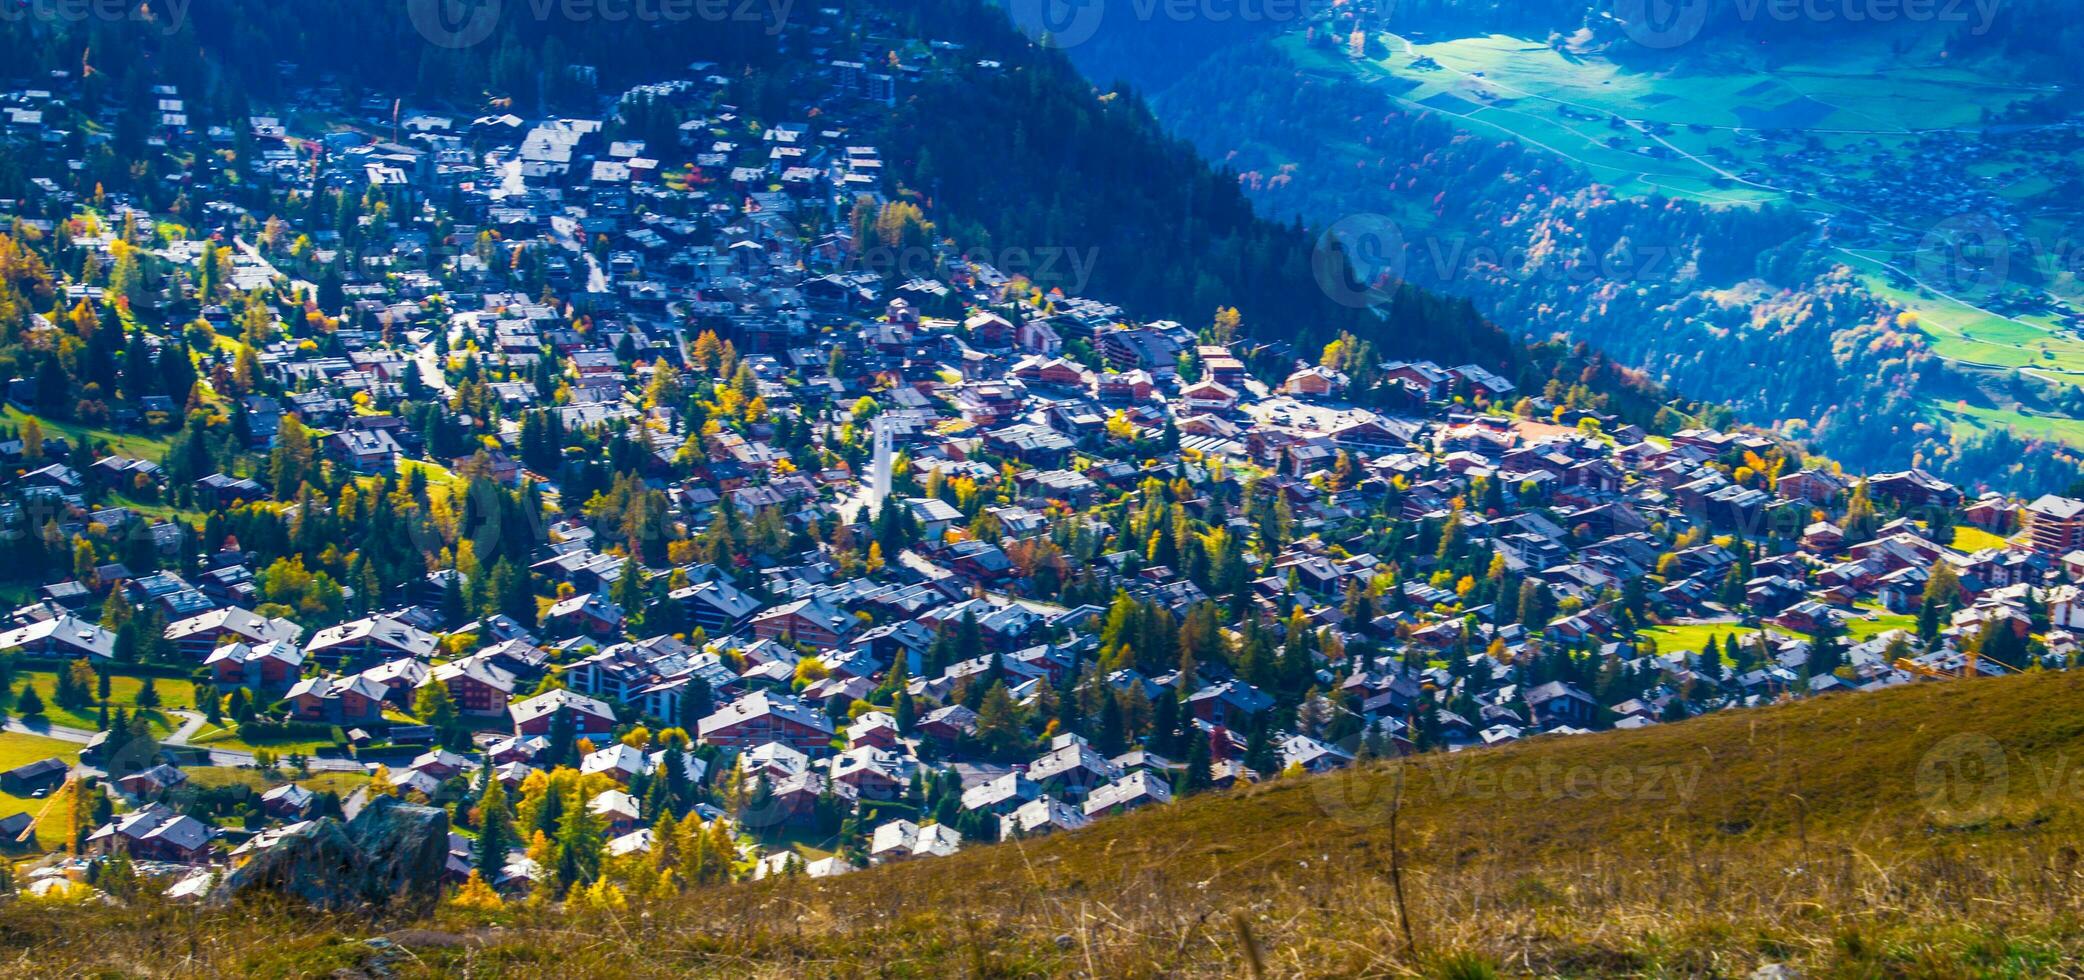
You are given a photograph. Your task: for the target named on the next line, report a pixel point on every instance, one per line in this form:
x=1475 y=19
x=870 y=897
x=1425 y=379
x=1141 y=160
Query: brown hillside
x=1924 y=831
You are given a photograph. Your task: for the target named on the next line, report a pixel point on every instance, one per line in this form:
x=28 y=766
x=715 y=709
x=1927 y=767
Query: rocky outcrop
x=390 y=856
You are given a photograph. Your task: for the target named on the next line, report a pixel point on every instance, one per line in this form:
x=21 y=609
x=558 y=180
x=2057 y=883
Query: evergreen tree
x=496 y=834
x=696 y=703
x=563 y=747
x=998 y=722
x=1260 y=756
x=1197 y=777
x=30 y=704
x=578 y=844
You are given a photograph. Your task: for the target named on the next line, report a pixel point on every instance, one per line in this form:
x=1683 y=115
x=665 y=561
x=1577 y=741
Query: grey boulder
x=390 y=856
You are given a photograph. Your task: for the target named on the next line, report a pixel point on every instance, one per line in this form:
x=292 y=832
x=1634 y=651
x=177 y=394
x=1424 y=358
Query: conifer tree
x=496 y=834
x=578 y=844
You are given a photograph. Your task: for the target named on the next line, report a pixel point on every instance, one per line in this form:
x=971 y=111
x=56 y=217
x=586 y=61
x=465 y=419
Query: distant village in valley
x=667 y=499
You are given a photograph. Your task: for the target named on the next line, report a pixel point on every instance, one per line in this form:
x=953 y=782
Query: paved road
x=191 y=723
x=59 y=732
x=429 y=364
x=573 y=238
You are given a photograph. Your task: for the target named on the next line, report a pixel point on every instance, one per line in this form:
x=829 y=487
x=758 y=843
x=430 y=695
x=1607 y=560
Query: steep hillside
x=1010 y=155
x=1739 y=222
x=1923 y=831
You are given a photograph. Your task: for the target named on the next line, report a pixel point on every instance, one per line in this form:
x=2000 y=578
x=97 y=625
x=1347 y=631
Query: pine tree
x=723 y=853
x=1197 y=776
x=1259 y=749
x=998 y=722
x=65 y=693
x=496 y=834
x=907 y=713
x=578 y=844
x=562 y=749
x=30 y=704
x=696 y=703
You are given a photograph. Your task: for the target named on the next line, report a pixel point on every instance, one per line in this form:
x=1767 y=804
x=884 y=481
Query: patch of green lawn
x=228 y=740
x=1968 y=537
x=173 y=693
x=260 y=782
x=19 y=749
x=135 y=444
x=1675 y=638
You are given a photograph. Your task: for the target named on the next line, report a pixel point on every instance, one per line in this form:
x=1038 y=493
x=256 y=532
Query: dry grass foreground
x=1925 y=831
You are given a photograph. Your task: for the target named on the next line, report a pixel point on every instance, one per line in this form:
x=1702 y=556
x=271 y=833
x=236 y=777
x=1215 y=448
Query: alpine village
x=632 y=486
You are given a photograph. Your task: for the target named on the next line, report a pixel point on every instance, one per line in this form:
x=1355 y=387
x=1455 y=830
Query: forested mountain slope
x=1744 y=289
x=1017 y=152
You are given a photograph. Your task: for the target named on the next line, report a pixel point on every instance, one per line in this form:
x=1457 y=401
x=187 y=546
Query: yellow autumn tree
x=603 y=896
x=476 y=894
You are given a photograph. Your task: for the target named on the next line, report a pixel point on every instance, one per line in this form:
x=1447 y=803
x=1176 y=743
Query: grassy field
x=318 y=782
x=19 y=749
x=1968 y=537
x=173 y=693
x=1866 y=622
x=138 y=445
x=1675 y=638
x=227 y=739
x=2038 y=344
x=2023 y=424
x=1706 y=115
x=1871 y=620
x=1969 y=334
x=1922 y=831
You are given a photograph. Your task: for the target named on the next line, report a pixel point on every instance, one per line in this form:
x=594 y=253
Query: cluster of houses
x=1065 y=411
